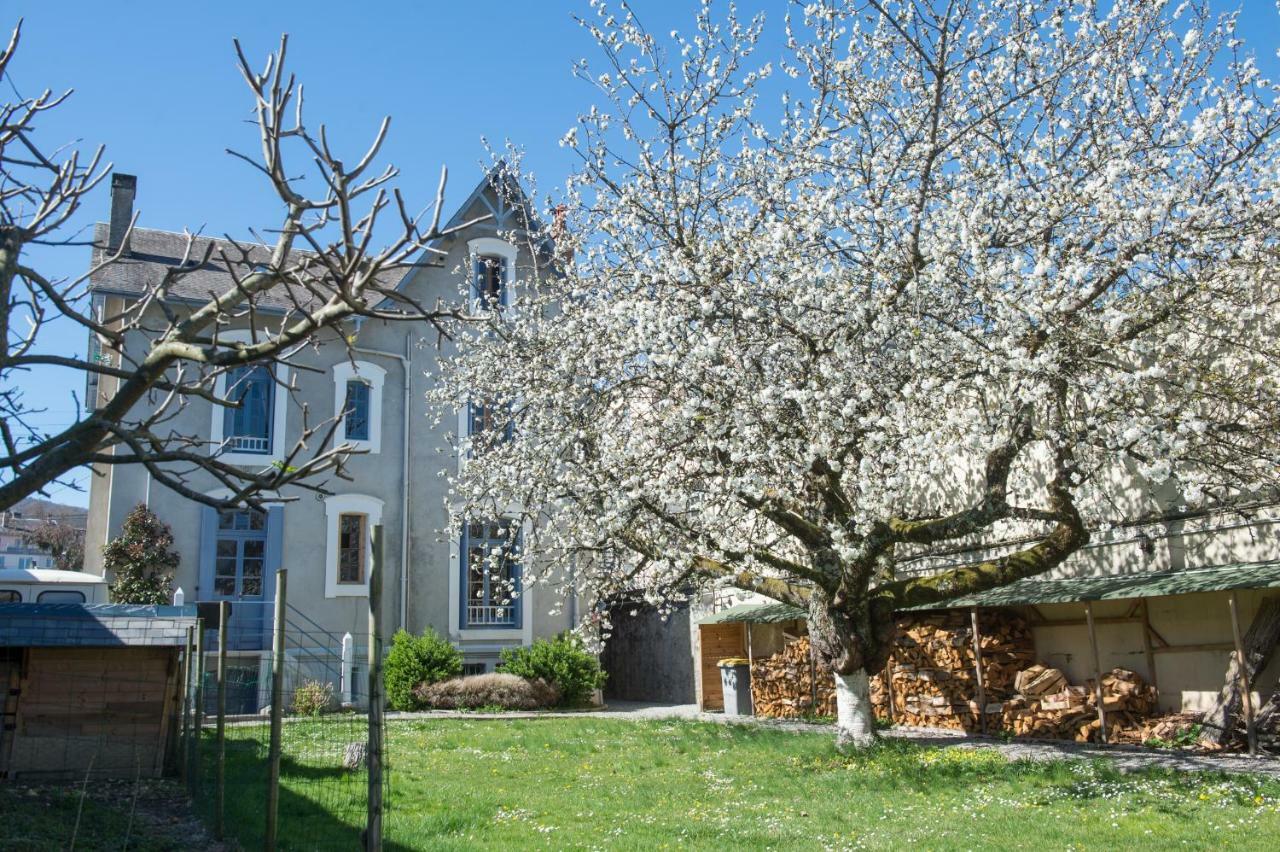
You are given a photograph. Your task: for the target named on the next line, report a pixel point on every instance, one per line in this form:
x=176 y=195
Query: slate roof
x=152 y=253
x=94 y=625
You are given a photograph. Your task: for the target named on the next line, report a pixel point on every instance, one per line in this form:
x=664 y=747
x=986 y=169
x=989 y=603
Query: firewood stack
x=932 y=673
x=933 y=679
x=782 y=686
x=1048 y=707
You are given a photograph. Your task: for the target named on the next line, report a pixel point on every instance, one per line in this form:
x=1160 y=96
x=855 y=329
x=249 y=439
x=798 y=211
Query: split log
x=1223 y=718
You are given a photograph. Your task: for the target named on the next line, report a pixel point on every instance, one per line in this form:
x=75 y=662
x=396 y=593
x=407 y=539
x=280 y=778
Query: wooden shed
x=746 y=630
x=89 y=689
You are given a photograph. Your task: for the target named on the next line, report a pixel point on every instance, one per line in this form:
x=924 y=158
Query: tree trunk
x=855 y=725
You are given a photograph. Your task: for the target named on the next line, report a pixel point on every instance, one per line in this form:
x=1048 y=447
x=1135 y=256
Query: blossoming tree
x=983 y=261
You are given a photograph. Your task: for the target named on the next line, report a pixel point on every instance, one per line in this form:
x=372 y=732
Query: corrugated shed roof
x=758 y=613
x=1219 y=578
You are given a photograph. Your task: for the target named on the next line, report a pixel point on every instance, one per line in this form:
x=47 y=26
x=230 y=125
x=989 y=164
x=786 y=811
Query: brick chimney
x=123 y=189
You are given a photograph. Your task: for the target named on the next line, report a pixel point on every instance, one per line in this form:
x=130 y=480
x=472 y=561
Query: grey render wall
x=432 y=553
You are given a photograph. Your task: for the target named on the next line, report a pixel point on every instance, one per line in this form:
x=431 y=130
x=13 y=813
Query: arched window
x=357 y=400
x=490 y=278
x=492 y=273
x=247 y=428
x=350 y=520
x=251 y=433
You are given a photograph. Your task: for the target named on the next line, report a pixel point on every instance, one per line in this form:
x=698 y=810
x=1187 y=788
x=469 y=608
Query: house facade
x=433 y=575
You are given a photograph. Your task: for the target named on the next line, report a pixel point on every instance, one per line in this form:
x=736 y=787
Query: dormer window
x=490 y=278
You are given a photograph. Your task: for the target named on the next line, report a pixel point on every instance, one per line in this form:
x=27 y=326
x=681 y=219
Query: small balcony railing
x=249 y=444
x=483 y=616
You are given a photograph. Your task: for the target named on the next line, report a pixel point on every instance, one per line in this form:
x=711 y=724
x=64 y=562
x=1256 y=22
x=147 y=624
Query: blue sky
x=156 y=83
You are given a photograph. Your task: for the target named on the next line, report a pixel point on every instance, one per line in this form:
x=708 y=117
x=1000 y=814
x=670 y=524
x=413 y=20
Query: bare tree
x=164 y=349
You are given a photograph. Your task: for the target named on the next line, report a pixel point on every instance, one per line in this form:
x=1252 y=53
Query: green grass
x=606 y=784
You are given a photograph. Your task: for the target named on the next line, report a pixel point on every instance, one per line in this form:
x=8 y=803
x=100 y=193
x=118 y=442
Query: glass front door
x=240 y=559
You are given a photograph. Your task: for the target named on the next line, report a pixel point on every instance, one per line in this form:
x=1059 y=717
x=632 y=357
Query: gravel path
x=1127 y=758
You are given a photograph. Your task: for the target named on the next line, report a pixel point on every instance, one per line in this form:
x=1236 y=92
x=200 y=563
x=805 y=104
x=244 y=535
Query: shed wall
x=106 y=711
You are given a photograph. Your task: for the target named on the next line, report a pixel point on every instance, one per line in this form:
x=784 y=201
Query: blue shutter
x=502 y=283
x=208 y=546
x=517 y=575
x=232 y=393
x=357 y=408
x=272 y=557
x=462 y=575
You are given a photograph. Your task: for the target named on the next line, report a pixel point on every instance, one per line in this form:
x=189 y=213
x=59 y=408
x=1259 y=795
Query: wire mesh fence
x=279 y=751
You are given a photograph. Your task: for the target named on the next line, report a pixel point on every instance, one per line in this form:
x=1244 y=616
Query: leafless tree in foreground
x=164 y=348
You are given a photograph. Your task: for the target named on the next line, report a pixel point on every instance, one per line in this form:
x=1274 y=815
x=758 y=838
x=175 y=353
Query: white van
x=49 y=585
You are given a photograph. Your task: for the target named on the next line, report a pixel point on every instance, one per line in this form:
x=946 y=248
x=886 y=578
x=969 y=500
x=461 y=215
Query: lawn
x=607 y=784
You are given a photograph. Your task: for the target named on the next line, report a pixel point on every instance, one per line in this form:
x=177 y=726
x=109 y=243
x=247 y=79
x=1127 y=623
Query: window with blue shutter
x=490 y=574
x=489 y=280
x=356 y=424
x=490 y=417
x=247 y=429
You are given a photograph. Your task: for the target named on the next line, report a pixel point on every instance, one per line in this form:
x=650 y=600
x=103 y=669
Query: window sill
x=248 y=459
x=347 y=590
x=490 y=632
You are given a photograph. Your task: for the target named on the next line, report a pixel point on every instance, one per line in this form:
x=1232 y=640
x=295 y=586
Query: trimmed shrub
x=312 y=698
x=496 y=690
x=415 y=660
x=141 y=559
x=562 y=662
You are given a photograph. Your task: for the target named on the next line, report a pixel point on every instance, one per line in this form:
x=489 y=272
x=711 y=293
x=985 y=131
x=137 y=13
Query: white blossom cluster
x=785 y=323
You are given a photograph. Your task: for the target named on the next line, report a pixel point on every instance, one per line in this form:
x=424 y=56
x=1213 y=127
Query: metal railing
x=491 y=615
x=249 y=444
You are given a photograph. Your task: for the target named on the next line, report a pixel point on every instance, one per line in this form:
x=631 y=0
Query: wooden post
x=220 y=795
x=1097 y=670
x=1148 y=650
x=977 y=667
x=1246 y=688
x=888 y=686
x=373 y=817
x=813 y=679
x=277 y=711
x=184 y=768
x=197 y=711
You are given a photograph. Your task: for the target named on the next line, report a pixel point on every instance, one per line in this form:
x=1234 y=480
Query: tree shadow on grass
x=321 y=807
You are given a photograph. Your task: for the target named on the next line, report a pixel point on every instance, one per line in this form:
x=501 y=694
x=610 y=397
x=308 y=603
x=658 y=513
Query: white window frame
x=491 y=247
x=375 y=376
x=334 y=508
x=279 y=421
x=523 y=633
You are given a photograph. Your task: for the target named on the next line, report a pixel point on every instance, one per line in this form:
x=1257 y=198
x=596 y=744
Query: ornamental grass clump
x=497 y=690
x=562 y=662
x=414 y=661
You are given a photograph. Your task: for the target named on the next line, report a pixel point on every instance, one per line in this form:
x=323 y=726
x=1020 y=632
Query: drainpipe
x=404 y=476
